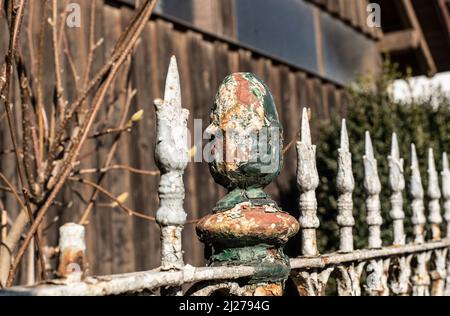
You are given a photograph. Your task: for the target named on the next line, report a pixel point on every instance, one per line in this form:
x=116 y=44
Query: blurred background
x=314 y=53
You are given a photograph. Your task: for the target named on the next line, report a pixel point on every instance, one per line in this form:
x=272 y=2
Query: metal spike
x=172 y=93
x=344 y=137
x=434 y=194
x=373 y=188
x=345 y=185
x=397 y=182
x=395 y=151
x=446 y=192
x=369 y=147
x=306 y=131
x=416 y=190
x=308 y=181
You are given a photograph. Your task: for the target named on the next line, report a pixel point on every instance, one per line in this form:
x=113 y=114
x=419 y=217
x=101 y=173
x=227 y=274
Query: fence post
x=397 y=182
x=401 y=267
x=421 y=278
x=72 y=252
x=171 y=155
x=416 y=191
x=439 y=257
x=373 y=188
x=434 y=194
x=308 y=181
x=349 y=274
x=345 y=186
x=247 y=227
x=446 y=191
x=375 y=283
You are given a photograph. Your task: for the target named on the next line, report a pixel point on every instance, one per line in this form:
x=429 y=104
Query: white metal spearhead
x=344 y=137
x=396 y=177
x=306 y=131
x=371 y=179
x=434 y=191
x=445 y=177
x=369 y=148
x=416 y=188
x=345 y=181
x=172 y=93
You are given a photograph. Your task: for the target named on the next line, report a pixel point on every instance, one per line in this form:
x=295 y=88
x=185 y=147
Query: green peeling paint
x=246 y=182
x=271 y=264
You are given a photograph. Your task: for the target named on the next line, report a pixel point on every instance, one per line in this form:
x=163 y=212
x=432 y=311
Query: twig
x=291 y=143
x=40 y=80
x=13 y=191
x=120 y=52
x=129 y=211
x=60 y=100
x=126 y=44
x=115 y=167
x=16 y=23
x=110 y=156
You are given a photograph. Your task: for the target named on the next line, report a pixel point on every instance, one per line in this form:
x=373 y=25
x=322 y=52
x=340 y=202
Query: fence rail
x=247 y=230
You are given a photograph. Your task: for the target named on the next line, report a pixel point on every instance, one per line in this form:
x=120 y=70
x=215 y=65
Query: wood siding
x=116 y=242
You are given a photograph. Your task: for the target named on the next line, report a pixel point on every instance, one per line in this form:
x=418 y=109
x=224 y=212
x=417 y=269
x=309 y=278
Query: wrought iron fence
x=247 y=230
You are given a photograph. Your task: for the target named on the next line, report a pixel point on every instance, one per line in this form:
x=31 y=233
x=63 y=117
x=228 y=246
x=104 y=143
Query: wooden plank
x=190 y=242
x=271 y=77
x=228 y=18
x=399 y=41
x=409 y=9
x=202 y=101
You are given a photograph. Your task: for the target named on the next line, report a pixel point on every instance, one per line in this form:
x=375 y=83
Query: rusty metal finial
x=72 y=252
x=247 y=227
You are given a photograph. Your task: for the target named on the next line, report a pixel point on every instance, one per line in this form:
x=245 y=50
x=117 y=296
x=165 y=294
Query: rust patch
x=71 y=261
x=269 y=290
x=262 y=223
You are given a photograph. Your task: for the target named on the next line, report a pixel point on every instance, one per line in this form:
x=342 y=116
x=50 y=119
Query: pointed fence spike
x=395 y=151
x=446 y=192
x=172 y=93
x=417 y=193
x=344 y=136
x=308 y=181
x=345 y=185
x=434 y=194
x=172 y=155
x=397 y=183
x=306 y=131
x=373 y=188
x=369 y=148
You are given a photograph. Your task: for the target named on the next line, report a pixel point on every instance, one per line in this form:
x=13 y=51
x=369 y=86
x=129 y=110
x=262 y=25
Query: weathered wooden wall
x=119 y=243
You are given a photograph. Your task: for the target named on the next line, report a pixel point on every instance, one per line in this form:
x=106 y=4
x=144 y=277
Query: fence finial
x=246 y=227
x=397 y=182
x=308 y=181
x=171 y=154
x=373 y=188
x=345 y=186
x=446 y=191
x=434 y=194
x=417 y=193
x=72 y=252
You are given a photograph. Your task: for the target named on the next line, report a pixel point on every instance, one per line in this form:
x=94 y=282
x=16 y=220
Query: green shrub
x=424 y=121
